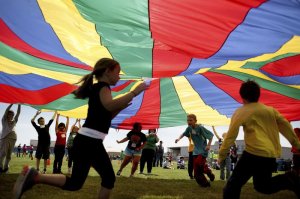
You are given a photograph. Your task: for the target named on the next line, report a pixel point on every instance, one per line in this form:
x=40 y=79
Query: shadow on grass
x=135 y=187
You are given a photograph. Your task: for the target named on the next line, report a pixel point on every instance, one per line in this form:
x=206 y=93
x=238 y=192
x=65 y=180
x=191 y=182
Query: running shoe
x=25 y=181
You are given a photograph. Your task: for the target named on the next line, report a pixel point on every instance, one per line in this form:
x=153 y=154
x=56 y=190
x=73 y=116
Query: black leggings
x=59 y=152
x=261 y=169
x=89 y=152
x=147 y=156
x=70 y=157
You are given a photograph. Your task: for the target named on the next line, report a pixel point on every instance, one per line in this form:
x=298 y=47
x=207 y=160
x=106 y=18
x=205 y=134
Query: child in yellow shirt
x=261 y=125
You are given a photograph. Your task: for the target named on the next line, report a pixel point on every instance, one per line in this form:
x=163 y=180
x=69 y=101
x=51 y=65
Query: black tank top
x=98 y=117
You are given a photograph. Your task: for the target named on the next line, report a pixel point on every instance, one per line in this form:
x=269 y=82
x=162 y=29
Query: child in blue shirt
x=199 y=135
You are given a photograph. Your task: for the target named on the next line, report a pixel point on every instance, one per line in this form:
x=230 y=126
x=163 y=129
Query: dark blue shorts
x=42 y=152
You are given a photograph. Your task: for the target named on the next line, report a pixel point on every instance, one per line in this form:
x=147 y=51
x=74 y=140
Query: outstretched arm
x=54 y=115
x=18 y=113
x=8 y=108
x=117 y=104
x=56 y=123
x=215 y=132
x=123 y=140
x=67 y=124
x=287 y=131
x=36 y=114
x=6 y=111
x=74 y=125
x=181 y=136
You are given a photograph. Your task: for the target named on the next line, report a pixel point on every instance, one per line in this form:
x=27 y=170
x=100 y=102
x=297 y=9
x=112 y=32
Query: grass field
x=162 y=184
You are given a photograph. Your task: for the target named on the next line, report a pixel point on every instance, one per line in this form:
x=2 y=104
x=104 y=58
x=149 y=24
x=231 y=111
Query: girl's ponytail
x=100 y=67
x=83 y=91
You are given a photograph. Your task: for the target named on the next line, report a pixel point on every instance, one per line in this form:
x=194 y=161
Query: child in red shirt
x=59 y=149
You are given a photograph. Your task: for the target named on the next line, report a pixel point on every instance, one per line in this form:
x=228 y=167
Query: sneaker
x=202 y=183
x=119 y=173
x=211 y=176
x=44 y=171
x=25 y=181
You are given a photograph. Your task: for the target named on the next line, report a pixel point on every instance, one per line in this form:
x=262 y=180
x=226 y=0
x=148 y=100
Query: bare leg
x=45 y=164
x=104 y=193
x=135 y=163
x=57 y=180
x=125 y=162
x=38 y=164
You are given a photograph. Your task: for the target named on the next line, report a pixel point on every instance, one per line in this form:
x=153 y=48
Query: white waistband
x=92 y=133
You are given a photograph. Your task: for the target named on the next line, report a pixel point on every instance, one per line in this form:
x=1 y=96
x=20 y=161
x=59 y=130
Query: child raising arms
x=8 y=137
x=43 y=146
x=61 y=130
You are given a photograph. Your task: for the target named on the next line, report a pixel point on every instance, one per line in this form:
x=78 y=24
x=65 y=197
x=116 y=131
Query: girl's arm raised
x=37 y=113
x=6 y=111
x=18 y=113
x=54 y=115
x=67 y=124
x=56 y=123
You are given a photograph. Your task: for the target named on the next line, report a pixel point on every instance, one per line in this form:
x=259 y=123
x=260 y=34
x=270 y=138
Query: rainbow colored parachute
x=193 y=53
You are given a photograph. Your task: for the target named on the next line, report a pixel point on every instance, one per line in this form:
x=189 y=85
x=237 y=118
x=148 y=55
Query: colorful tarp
x=193 y=53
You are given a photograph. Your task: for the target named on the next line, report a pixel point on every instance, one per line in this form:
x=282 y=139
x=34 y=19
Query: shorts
x=42 y=153
x=131 y=152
